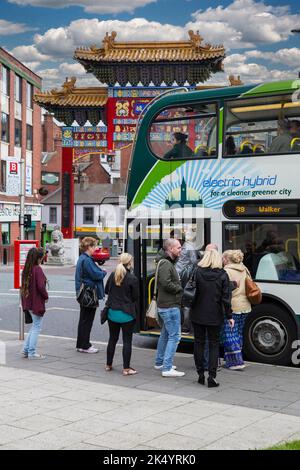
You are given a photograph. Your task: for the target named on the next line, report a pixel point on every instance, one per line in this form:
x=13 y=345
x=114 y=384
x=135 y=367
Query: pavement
x=68 y=401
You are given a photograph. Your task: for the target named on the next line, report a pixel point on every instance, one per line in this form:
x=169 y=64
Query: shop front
x=10 y=230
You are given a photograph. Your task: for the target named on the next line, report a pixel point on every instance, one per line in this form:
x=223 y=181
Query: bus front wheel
x=269 y=334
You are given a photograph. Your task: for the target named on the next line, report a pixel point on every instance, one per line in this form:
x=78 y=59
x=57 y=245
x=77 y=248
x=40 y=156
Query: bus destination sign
x=279 y=208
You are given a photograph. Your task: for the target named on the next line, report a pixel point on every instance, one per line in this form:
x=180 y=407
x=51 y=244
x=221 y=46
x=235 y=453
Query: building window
x=50 y=177
x=88 y=215
x=18 y=88
x=271 y=250
x=28 y=137
x=3 y=176
x=185 y=132
x=29 y=95
x=5 y=234
x=53 y=215
x=4 y=127
x=18 y=133
x=5 y=81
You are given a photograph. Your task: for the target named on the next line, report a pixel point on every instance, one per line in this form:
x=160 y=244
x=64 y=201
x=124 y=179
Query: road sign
x=12 y=177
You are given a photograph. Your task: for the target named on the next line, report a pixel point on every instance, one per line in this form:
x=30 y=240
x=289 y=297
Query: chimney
x=84 y=182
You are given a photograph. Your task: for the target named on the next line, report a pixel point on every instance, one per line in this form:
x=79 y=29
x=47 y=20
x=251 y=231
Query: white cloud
x=90 y=6
x=29 y=54
x=9 y=28
x=32 y=65
x=54 y=77
x=289 y=57
x=62 y=41
x=251 y=72
x=242 y=24
x=245 y=23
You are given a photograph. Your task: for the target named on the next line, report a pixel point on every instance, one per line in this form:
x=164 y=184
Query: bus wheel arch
x=270 y=330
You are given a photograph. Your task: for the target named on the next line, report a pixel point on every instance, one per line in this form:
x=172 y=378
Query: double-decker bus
x=238 y=186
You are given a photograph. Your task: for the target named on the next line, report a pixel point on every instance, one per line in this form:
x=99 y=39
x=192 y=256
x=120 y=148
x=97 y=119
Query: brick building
x=20 y=131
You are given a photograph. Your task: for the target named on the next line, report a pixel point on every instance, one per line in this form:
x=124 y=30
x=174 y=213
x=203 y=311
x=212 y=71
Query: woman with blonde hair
x=122 y=288
x=212 y=300
x=233 y=337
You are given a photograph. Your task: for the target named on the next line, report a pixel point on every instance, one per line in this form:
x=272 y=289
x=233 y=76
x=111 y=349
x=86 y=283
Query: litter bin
x=114 y=249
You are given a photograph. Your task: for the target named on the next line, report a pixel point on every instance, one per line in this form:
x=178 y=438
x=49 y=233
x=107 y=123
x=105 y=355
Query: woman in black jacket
x=212 y=301
x=122 y=288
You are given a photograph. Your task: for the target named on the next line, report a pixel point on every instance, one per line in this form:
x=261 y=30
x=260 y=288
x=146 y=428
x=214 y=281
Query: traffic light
x=27 y=220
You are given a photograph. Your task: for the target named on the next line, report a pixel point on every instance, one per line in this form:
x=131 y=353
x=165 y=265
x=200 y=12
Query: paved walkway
x=68 y=401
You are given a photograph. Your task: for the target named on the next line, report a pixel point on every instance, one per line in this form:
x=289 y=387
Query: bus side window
x=262 y=126
x=185 y=132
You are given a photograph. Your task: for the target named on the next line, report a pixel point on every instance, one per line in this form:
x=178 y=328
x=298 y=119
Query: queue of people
x=219 y=307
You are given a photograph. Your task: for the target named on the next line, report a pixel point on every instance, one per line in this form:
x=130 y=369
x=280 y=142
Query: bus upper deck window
x=260 y=126
x=185 y=132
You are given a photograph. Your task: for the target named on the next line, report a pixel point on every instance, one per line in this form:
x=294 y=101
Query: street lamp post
x=22 y=235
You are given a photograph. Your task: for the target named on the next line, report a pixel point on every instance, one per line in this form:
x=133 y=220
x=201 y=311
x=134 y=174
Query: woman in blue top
x=90 y=274
x=122 y=288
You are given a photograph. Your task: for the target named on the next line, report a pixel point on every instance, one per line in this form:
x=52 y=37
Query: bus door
x=145 y=246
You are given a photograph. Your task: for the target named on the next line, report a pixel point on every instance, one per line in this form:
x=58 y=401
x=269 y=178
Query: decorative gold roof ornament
x=235 y=81
x=195 y=39
x=67 y=87
x=112 y=51
x=109 y=41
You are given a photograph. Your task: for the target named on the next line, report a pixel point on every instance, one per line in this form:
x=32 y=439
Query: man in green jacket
x=169 y=303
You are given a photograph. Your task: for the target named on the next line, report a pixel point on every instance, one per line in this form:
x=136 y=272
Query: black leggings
x=213 y=333
x=127 y=332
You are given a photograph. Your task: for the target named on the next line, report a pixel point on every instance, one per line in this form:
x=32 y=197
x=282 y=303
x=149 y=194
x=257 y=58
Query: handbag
x=28 y=317
x=253 y=292
x=87 y=296
x=104 y=315
x=189 y=291
x=152 y=311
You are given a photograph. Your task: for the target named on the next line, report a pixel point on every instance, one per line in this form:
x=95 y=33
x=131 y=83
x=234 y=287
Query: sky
x=257 y=34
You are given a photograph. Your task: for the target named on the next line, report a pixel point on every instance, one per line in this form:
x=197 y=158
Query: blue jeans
x=169 y=337
x=33 y=334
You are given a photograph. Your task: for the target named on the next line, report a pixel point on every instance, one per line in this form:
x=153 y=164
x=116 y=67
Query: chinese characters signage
x=84 y=137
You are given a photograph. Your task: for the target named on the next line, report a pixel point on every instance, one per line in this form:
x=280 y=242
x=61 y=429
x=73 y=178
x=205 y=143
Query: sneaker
x=24 y=354
x=36 y=357
x=172 y=373
x=211 y=382
x=91 y=350
x=241 y=367
x=160 y=367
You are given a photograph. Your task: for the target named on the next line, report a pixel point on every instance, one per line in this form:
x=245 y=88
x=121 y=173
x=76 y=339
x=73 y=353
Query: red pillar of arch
x=67 y=193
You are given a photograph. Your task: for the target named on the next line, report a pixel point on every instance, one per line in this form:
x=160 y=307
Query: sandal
x=130 y=371
x=108 y=368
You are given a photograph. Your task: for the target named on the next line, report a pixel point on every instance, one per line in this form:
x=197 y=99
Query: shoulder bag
x=253 y=292
x=152 y=312
x=87 y=297
x=104 y=311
